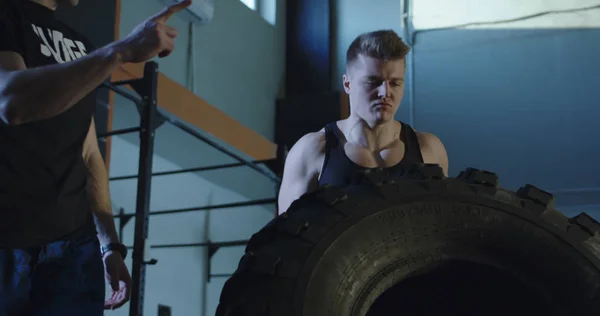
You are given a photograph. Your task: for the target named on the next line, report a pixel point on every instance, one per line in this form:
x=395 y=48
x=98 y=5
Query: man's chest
x=383 y=158
x=50 y=44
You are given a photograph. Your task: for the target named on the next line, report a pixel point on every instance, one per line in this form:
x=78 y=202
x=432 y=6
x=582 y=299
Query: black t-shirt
x=42 y=175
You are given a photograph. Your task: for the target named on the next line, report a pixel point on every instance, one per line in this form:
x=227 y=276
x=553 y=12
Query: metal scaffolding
x=150 y=119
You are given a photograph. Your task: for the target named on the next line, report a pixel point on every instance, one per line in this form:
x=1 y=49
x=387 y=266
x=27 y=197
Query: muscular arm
x=301 y=170
x=28 y=95
x=433 y=150
x=97 y=188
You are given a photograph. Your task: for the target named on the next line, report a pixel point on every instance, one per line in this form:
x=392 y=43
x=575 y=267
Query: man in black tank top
x=57 y=233
x=370 y=137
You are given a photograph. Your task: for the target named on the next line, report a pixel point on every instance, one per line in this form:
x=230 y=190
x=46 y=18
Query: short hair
x=381 y=44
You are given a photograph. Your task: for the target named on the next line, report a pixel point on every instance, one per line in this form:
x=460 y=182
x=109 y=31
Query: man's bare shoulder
x=300 y=174
x=427 y=139
x=310 y=144
x=307 y=154
x=433 y=150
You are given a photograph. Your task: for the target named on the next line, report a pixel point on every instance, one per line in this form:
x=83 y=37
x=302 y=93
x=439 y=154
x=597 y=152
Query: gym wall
x=518 y=98
x=235 y=63
x=227 y=55
x=497 y=97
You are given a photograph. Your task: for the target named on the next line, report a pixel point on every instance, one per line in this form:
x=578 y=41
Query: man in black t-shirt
x=58 y=240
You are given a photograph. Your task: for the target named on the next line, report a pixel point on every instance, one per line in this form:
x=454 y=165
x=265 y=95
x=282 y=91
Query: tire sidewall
x=370 y=251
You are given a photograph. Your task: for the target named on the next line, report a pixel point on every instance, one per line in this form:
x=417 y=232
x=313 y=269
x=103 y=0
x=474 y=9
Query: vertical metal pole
x=148 y=90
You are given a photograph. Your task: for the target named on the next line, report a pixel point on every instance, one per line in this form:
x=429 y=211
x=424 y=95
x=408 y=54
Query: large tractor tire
x=417 y=243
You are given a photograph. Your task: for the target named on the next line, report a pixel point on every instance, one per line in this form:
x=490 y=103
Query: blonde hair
x=381 y=44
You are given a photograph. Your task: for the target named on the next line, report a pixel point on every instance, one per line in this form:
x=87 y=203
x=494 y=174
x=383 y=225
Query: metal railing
x=150 y=115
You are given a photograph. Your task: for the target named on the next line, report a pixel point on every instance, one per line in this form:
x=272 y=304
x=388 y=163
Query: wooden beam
x=189 y=108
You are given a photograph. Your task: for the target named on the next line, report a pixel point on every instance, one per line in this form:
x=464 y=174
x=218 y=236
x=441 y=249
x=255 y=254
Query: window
x=266 y=8
x=250 y=4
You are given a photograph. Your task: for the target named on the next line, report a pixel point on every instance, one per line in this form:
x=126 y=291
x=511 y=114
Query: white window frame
x=267 y=9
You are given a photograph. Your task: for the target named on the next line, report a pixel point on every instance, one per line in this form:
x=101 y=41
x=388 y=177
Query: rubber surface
x=335 y=251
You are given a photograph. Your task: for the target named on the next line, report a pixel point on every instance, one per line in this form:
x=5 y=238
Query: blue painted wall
x=238 y=66
x=521 y=102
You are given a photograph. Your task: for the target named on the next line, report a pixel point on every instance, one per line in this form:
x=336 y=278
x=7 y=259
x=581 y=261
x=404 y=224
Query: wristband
x=120 y=248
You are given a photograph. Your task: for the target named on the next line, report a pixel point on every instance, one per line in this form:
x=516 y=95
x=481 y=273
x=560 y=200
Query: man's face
x=375 y=88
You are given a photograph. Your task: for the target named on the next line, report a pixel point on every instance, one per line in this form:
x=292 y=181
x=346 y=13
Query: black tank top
x=339 y=170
